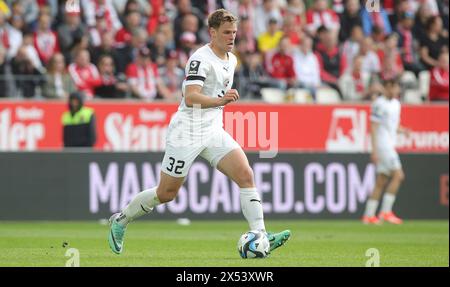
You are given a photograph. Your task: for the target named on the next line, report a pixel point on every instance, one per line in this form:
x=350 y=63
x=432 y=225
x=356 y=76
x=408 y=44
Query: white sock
x=371 y=207
x=251 y=206
x=388 y=202
x=142 y=204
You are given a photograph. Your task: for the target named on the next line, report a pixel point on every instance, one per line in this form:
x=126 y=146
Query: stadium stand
x=31 y=31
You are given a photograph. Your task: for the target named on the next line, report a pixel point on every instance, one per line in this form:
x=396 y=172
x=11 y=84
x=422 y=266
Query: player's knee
x=400 y=176
x=245 y=177
x=380 y=182
x=379 y=185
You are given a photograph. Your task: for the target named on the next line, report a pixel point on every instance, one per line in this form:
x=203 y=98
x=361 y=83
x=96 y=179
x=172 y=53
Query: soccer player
x=385 y=124
x=197 y=129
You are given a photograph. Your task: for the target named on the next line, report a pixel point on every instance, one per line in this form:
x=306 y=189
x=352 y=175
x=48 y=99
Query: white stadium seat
x=327 y=96
x=302 y=96
x=424 y=83
x=272 y=95
x=408 y=79
x=412 y=97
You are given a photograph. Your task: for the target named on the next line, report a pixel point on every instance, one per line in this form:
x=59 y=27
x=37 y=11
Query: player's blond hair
x=220 y=16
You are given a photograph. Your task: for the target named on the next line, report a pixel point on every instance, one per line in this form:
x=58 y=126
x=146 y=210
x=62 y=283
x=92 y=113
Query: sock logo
x=120 y=217
x=146 y=211
x=255 y=200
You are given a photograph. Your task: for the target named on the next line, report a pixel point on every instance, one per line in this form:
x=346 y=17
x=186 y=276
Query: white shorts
x=178 y=159
x=388 y=161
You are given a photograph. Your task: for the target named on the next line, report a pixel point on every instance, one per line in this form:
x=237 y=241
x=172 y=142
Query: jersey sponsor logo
x=193 y=67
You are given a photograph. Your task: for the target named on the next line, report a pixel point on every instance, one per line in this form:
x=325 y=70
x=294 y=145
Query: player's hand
x=407 y=132
x=230 y=96
x=374 y=157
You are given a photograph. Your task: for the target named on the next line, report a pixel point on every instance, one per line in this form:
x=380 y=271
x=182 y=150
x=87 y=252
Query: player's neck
x=223 y=55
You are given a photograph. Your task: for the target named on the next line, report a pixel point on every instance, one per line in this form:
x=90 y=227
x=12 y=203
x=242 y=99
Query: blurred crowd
x=139 y=48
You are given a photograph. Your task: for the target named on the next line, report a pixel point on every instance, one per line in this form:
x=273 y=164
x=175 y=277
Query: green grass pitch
x=213 y=243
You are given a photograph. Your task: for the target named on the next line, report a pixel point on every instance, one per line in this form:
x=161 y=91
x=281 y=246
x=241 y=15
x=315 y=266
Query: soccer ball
x=254 y=244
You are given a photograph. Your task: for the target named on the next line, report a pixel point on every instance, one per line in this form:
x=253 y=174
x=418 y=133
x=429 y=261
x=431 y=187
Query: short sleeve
x=196 y=70
x=376 y=112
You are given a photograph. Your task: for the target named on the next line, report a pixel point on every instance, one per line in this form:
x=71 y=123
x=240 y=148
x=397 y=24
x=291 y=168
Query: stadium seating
x=327 y=96
x=412 y=97
x=409 y=80
x=424 y=83
x=273 y=95
x=302 y=96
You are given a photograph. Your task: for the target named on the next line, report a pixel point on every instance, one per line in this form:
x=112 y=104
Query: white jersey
x=215 y=76
x=386 y=113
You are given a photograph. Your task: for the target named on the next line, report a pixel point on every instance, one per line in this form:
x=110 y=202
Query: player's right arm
x=197 y=70
x=375 y=119
x=193 y=96
x=373 y=136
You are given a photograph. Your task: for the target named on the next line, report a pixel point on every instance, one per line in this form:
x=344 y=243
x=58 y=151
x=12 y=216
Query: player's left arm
x=194 y=96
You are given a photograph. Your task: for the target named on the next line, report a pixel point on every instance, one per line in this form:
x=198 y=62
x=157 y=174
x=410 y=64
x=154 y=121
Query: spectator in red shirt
x=321 y=15
x=94 y=7
x=390 y=58
x=143 y=78
x=281 y=65
x=111 y=86
x=132 y=21
x=84 y=74
x=332 y=61
x=297 y=9
x=157 y=10
x=292 y=30
x=45 y=40
x=439 y=79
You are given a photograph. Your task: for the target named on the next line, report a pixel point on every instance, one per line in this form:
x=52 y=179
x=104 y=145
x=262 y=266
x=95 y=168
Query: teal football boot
x=278 y=239
x=116 y=234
